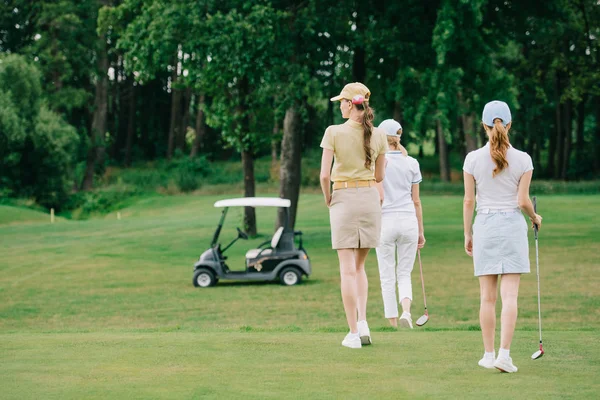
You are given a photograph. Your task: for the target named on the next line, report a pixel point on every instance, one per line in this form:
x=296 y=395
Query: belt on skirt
x=352 y=184
x=497 y=210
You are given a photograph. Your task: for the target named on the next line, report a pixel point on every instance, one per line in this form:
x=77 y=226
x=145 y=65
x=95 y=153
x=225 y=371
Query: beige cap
x=351 y=90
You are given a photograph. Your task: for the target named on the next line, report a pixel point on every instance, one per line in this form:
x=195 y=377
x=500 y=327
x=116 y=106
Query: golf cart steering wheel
x=241 y=234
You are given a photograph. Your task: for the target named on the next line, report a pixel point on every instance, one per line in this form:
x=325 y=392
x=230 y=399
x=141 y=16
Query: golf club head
x=422 y=320
x=537 y=354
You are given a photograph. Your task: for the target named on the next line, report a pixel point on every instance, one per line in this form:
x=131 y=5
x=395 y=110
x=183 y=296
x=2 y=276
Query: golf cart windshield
x=246 y=202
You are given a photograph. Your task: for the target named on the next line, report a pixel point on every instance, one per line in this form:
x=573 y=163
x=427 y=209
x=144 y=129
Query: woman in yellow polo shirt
x=357 y=150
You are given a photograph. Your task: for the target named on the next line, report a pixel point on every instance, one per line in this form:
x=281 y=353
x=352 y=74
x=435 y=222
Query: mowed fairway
x=105 y=308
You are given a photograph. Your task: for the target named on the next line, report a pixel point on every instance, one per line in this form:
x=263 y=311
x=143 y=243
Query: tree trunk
x=555 y=151
x=597 y=138
x=580 y=145
x=291 y=158
x=249 y=191
x=470 y=132
x=200 y=127
x=274 y=148
x=130 y=125
x=185 y=119
x=568 y=128
x=247 y=158
x=359 y=69
x=96 y=151
x=175 y=113
x=443 y=153
x=398 y=112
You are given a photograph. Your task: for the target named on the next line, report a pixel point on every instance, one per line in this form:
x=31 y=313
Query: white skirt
x=500 y=244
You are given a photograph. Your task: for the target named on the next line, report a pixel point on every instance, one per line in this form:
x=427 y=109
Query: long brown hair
x=499 y=145
x=368 y=130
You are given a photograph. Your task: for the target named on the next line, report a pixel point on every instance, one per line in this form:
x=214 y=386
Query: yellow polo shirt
x=346 y=141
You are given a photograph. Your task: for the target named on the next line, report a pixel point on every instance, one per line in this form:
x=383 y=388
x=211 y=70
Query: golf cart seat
x=253 y=253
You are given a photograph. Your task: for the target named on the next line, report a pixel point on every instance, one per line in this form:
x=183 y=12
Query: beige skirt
x=355 y=217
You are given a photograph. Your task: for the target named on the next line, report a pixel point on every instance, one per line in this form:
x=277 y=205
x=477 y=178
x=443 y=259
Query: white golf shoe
x=364 y=332
x=406 y=320
x=352 y=341
x=505 y=364
x=487 y=362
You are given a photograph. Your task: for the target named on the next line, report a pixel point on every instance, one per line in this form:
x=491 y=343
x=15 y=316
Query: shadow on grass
x=308 y=282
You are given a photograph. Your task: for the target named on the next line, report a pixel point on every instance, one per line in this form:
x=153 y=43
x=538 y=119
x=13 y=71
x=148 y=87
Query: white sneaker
x=405 y=320
x=364 y=332
x=487 y=362
x=505 y=365
x=352 y=341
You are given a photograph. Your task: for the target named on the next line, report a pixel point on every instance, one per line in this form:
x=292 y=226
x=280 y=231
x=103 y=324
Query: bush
x=188 y=171
x=100 y=201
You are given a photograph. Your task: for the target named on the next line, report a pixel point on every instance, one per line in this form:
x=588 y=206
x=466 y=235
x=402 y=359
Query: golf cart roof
x=254 y=202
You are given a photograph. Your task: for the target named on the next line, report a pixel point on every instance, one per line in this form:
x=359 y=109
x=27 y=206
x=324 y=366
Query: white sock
x=364 y=320
x=352 y=334
x=491 y=354
x=503 y=353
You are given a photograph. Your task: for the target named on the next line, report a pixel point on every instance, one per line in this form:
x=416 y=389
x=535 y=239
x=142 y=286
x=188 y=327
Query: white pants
x=396 y=256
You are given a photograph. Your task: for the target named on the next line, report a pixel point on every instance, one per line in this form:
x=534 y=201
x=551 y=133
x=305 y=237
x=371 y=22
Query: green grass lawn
x=105 y=308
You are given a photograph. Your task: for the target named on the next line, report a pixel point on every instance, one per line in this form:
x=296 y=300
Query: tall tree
x=97 y=147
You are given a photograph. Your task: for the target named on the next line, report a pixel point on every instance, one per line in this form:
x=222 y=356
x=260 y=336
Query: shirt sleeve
x=328 y=142
x=383 y=148
x=528 y=164
x=468 y=165
x=417 y=178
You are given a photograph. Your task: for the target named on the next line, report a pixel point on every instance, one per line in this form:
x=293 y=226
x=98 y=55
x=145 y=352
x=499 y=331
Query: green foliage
x=37 y=147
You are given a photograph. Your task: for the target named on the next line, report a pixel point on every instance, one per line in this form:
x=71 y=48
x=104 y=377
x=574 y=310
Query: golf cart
x=275 y=259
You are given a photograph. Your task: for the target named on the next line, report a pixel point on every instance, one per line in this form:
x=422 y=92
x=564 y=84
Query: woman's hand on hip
x=421 y=242
x=469 y=244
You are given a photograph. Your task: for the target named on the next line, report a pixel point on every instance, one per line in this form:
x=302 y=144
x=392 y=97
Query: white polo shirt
x=401 y=172
x=498 y=192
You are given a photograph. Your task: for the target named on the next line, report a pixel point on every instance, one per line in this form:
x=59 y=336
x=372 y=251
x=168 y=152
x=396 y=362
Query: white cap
x=496 y=109
x=391 y=127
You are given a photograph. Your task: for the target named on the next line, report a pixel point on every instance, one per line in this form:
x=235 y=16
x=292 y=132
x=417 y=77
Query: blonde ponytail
x=499 y=145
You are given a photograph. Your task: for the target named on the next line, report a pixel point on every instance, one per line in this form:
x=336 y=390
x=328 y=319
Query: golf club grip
x=535 y=227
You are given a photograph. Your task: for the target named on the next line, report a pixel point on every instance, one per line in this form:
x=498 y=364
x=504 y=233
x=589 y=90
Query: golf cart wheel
x=290 y=276
x=204 y=278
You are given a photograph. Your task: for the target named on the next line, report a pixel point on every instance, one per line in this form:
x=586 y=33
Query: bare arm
x=419 y=211
x=379 y=168
x=325 y=177
x=524 y=200
x=379 y=187
x=468 y=209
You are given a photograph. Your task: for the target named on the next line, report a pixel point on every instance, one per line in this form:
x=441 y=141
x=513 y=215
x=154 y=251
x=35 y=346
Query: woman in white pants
x=497 y=240
x=401 y=226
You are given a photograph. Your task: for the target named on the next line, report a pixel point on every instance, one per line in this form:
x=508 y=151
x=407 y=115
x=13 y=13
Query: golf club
x=540 y=352
x=425 y=317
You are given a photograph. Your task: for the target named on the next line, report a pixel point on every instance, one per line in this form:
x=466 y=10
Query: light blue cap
x=496 y=109
x=391 y=127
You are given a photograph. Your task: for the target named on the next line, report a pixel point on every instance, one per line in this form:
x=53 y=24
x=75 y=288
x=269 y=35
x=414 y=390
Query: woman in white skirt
x=497 y=241
x=357 y=150
x=401 y=226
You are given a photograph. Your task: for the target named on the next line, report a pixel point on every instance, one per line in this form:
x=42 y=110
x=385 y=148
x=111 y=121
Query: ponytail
x=368 y=130
x=499 y=145
x=394 y=143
